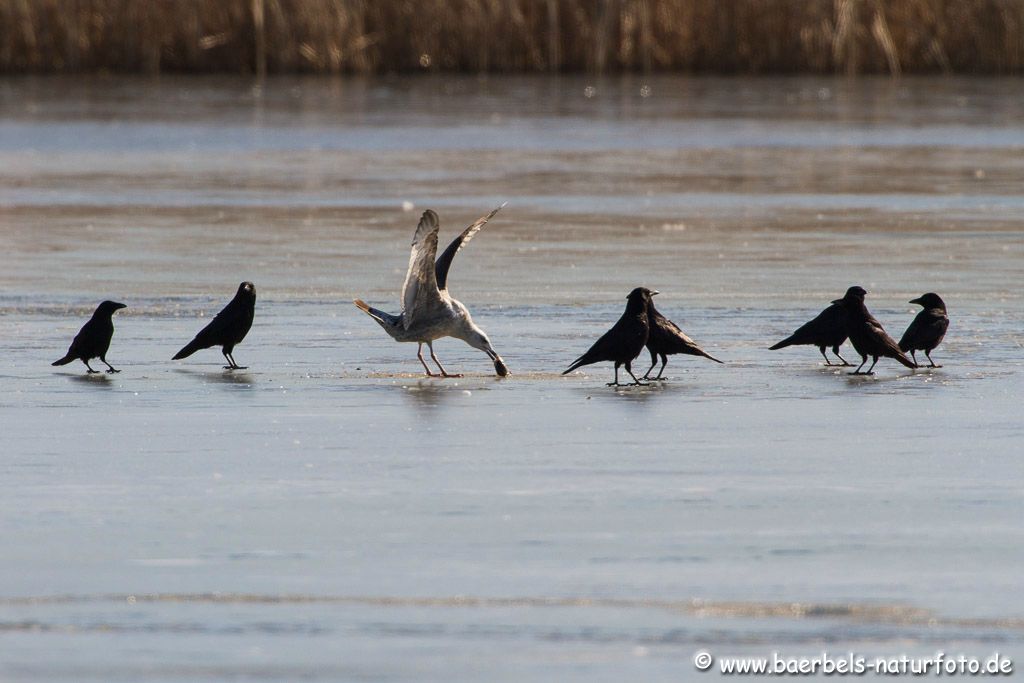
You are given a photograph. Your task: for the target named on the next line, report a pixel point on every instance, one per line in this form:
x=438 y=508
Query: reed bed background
x=380 y=36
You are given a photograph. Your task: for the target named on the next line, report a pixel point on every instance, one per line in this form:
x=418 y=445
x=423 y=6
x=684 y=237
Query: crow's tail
x=788 y=341
x=188 y=350
x=710 y=357
x=906 y=361
x=582 y=360
x=65 y=360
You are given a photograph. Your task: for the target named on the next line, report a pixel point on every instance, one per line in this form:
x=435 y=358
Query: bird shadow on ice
x=228 y=377
x=100 y=379
x=890 y=380
x=630 y=392
x=427 y=394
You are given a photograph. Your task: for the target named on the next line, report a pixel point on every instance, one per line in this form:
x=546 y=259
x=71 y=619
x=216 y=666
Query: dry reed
x=378 y=36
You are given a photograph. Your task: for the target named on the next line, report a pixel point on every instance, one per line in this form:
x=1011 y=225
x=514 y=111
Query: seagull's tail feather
x=379 y=316
x=362 y=306
x=386 y=320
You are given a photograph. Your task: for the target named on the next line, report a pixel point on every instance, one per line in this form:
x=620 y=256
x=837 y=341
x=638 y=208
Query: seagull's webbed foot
x=451 y=374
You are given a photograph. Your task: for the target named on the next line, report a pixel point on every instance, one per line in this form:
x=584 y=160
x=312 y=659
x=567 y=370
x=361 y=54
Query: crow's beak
x=915 y=301
x=120 y=306
x=655 y=292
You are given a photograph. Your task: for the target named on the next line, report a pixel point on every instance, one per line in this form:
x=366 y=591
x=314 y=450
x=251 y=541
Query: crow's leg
x=635 y=380
x=664 y=362
x=616 y=382
x=231 y=363
x=654 y=361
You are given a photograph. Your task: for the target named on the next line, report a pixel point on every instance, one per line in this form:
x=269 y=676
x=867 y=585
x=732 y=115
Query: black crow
x=93 y=339
x=928 y=328
x=866 y=334
x=625 y=340
x=665 y=338
x=827 y=329
x=228 y=328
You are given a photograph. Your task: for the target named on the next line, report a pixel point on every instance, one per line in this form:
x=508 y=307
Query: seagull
x=429 y=312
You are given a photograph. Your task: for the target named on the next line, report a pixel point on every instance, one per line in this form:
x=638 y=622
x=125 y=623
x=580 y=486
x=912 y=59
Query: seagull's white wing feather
x=420 y=288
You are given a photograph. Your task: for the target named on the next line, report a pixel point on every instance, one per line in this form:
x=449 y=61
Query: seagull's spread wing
x=420 y=285
x=445 y=261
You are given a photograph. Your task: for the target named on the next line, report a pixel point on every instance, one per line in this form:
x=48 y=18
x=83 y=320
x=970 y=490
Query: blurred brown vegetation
x=377 y=36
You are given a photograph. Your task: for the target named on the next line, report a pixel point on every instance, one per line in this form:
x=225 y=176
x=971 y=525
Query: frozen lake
x=329 y=514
